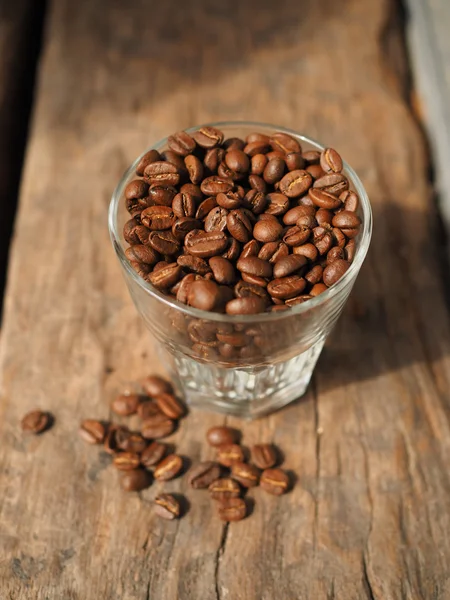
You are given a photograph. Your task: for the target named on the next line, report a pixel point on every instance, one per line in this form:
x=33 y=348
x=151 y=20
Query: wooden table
x=369 y=516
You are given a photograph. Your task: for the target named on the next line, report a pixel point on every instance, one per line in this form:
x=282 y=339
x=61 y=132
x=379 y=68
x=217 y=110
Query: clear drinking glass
x=278 y=351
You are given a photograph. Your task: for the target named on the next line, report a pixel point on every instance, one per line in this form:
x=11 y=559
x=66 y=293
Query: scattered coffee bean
x=264 y=456
x=202 y=475
x=92 y=432
x=229 y=454
x=148 y=409
x=168 y=468
x=221 y=435
x=155 y=385
x=167 y=507
x=274 y=481
x=232 y=509
x=36 y=421
x=170 y=405
x=221 y=489
x=246 y=475
x=136 y=480
x=157 y=426
x=153 y=454
x=126 y=461
x=130 y=441
x=125 y=404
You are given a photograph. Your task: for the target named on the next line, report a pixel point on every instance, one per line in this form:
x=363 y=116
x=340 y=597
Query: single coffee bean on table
x=221 y=489
x=168 y=468
x=274 y=481
x=126 y=461
x=202 y=475
x=92 y=431
x=246 y=475
x=154 y=385
x=125 y=404
x=264 y=455
x=136 y=480
x=157 y=426
x=232 y=509
x=220 y=435
x=167 y=507
x=36 y=421
x=153 y=454
x=229 y=454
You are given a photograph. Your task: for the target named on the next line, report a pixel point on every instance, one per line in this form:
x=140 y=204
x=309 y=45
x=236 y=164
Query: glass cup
x=246 y=365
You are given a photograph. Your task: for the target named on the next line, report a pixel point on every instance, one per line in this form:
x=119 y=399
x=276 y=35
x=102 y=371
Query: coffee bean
x=169 y=468
x=334 y=271
x=258 y=164
x=153 y=454
x=233 y=249
x=157 y=426
x=216 y=219
x=235 y=338
x=237 y=161
x=296 y=236
x=225 y=488
x=136 y=480
x=256 y=136
x=254 y=266
x=288 y=265
x=36 y=421
x=194 y=167
x=232 y=509
x=295 y=183
x=264 y=456
x=255 y=201
x=164 y=242
x=130 y=231
x=202 y=475
x=220 y=435
x=297 y=300
x=274 y=170
x=110 y=443
x=324 y=199
x=318 y=289
x=285 y=143
x=183 y=205
x=333 y=183
x=350 y=250
x=348 y=222
x=203 y=295
x=239 y=225
x=92 y=431
x=223 y=270
x=141 y=269
x=324 y=217
x=257 y=147
x=130 y=441
x=268 y=230
x=213 y=158
x=158 y=217
x=154 y=385
x=167 y=507
x=126 y=461
x=247 y=290
x=181 y=143
x=162 y=173
x=274 y=481
x=314 y=275
x=257 y=183
x=311 y=157
x=142 y=254
x=170 y=405
x=335 y=253
x=125 y=404
x=251 y=248
x=147 y=409
x=230 y=200
x=246 y=475
x=205 y=244
x=208 y=137
x=286 y=287
x=245 y=306
x=330 y=161
x=350 y=200
x=211 y=186
x=166 y=277
x=184 y=285
x=294 y=161
x=146 y=159
x=309 y=251
x=294 y=214
x=234 y=143
x=229 y=454
x=338 y=237
x=322 y=239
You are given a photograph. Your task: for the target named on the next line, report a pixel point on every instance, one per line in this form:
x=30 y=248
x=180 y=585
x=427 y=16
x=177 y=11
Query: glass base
x=247 y=392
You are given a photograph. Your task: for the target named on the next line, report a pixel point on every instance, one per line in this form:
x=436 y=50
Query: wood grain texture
x=369 y=444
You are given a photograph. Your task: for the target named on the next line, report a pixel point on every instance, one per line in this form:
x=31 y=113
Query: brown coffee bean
x=295 y=183
x=158 y=217
x=247 y=290
x=157 y=426
x=223 y=270
x=92 y=431
x=309 y=251
x=338 y=237
x=130 y=231
x=264 y=456
x=213 y=158
x=334 y=271
x=233 y=249
x=136 y=480
x=288 y=265
x=314 y=275
x=205 y=244
x=333 y=183
x=183 y=205
x=335 y=253
x=37 y=421
x=246 y=475
x=125 y=404
x=170 y=405
x=183 y=286
x=211 y=186
x=311 y=157
x=141 y=269
x=154 y=385
x=285 y=143
x=296 y=236
x=126 y=461
x=225 y=488
x=315 y=171
x=330 y=161
x=203 y=295
x=233 y=338
x=322 y=239
x=258 y=164
x=232 y=509
x=294 y=214
x=164 y=242
x=237 y=161
x=286 y=287
x=324 y=217
x=350 y=250
x=229 y=454
x=153 y=454
x=146 y=159
x=130 y=441
x=277 y=204
x=230 y=200
x=220 y=435
x=110 y=443
x=350 y=200
x=318 y=289
x=254 y=279
x=268 y=230
x=166 y=277
x=162 y=173
x=142 y=254
x=225 y=172
x=216 y=219
x=194 y=167
x=254 y=266
x=297 y=300
x=274 y=170
x=167 y=507
x=256 y=136
x=274 y=481
x=208 y=137
x=239 y=225
x=255 y=201
x=194 y=264
x=245 y=306
x=136 y=189
x=169 y=468
x=202 y=475
x=202 y=331
x=257 y=183
x=257 y=147
x=294 y=161
x=348 y=222
x=324 y=199
x=181 y=143
x=234 y=143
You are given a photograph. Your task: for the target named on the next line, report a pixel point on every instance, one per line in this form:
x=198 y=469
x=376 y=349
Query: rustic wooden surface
x=369 y=444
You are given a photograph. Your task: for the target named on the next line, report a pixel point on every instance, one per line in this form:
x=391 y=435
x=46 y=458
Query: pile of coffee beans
x=141 y=456
x=240 y=226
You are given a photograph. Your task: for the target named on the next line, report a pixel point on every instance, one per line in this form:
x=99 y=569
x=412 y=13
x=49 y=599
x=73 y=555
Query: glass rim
x=293 y=311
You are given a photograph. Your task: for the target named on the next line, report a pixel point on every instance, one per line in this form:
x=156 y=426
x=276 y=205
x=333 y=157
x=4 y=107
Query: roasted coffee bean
x=206 y=244
x=288 y=265
x=125 y=404
x=110 y=443
x=247 y=290
x=318 y=289
x=142 y=254
x=141 y=269
x=256 y=136
x=334 y=271
x=335 y=253
x=268 y=230
x=176 y=160
x=234 y=143
x=153 y=454
x=193 y=263
x=307 y=221
x=130 y=231
x=277 y=204
x=322 y=239
x=275 y=154
x=181 y=143
x=203 y=295
x=350 y=250
x=205 y=207
x=213 y=158
x=161 y=195
x=284 y=143
x=184 y=205
x=136 y=480
x=333 y=183
x=315 y=171
x=350 y=200
x=245 y=306
x=204 y=352
x=239 y=225
x=146 y=159
x=257 y=147
x=202 y=332
x=224 y=171
x=233 y=338
x=164 y=242
x=257 y=183
x=225 y=488
x=227 y=351
x=211 y=186
x=274 y=170
x=170 y=405
x=254 y=266
x=216 y=219
x=229 y=454
x=169 y=468
x=194 y=167
x=154 y=385
x=136 y=190
x=202 y=475
x=258 y=164
x=208 y=137
x=314 y=275
x=232 y=509
x=338 y=237
x=309 y=251
x=233 y=249
x=167 y=507
x=166 y=277
x=311 y=157
x=297 y=300
x=223 y=270
x=38 y=421
x=230 y=200
x=330 y=161
x=294 y=161
x=158 y=217
x=92 y=431
x=294 y=214
x=296 y=236
x=126 y=461
x=324 y=199
x=348 y=222
x=246 y=475
x=324 y=217
x=157 y=426
x=193 y=190
x=254 y=279
x=220 y=435
x=183 y=286
x=237 y=161
x=264 y=456
x=286 y=287
x=255 y=201
x=162 y=173
x=274 y=481
x=130 y=441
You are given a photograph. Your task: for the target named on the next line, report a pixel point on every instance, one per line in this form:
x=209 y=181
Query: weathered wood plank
x=369 y=444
